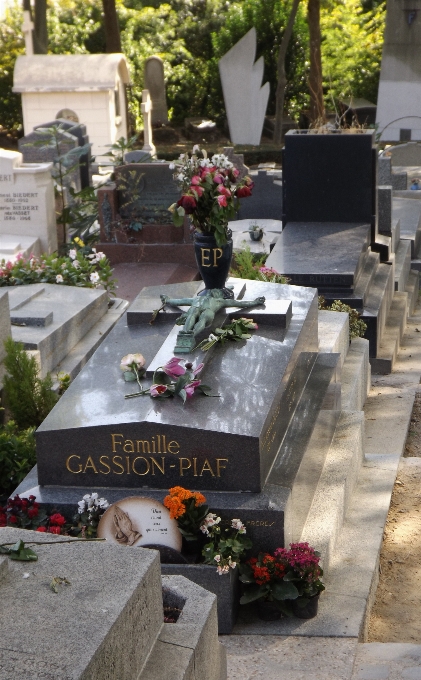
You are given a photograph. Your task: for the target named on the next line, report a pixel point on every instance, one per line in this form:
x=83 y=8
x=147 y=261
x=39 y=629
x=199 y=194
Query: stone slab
x=75 y=312
x=408 y=212
x=269 y=225
x=198 y=433
x=325 y=255
x=40 y=318
x=109 y=613
x=266 y=199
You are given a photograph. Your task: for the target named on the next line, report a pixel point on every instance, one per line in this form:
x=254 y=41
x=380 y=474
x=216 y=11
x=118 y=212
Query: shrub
x=250 y=266
x=28 y=397
x=357 y=327
x=17 y=456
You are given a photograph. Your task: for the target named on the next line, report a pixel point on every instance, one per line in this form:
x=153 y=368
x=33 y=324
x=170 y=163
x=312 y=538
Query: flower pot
x=213 y=261
x=305 y=610
x=256 y=234
x=268 y=610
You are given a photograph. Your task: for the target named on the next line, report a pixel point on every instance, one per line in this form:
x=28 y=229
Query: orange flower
x=199 y=498
x=175 y=506
x=182 y=494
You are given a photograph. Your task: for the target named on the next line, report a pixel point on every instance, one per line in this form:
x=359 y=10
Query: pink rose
x=235 y=172
x=195 y=179
x=198 y=191
x=222 y=201
x=158 y=390
x=219 y=179
x=190 y=388
x=243 y=192
x=223 y=190
x=173 y=368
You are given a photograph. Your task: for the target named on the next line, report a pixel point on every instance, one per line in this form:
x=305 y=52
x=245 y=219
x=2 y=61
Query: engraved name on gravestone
x=27 y=200
x=138 y=521
x=145 y=192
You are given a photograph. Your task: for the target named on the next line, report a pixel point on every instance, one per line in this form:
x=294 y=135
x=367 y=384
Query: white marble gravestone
x=27 y=201
x=398 y=104
x=245 y=98
x=155 y=84
x=146 y=106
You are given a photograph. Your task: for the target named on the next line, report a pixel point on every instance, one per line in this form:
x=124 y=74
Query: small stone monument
x=245 y=98
x=155 y=84
x=27 y=200
x=27 y=28
x=148 y=145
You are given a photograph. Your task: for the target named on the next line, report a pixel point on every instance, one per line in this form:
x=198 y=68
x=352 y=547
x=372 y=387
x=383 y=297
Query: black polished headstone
x=266 y=199
x=78 y=130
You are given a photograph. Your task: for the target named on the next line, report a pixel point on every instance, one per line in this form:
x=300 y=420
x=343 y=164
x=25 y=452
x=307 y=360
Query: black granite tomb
x=249 y=449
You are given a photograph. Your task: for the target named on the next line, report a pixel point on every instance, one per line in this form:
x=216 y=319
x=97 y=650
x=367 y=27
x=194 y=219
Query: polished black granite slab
x=276 y=515
x=95 y=437
x=324 y=255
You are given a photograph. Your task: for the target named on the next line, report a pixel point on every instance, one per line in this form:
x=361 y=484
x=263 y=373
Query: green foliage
x=28 y=397
x=81 y=215
x=11 y=46
x=352 y=48
x=18 y=552
x=357 y=327
x=247 y=265
x=17 y=456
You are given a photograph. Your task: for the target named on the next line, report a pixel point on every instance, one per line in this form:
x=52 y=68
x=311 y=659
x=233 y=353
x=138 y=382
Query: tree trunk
x=112 y=29
x=317 y=108
x=40 y=27
x=282 y=78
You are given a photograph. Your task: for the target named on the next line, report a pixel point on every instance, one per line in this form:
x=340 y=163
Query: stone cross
x=148 y=145
x=27 y=28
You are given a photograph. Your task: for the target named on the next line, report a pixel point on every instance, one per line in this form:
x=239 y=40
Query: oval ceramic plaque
x=137 y=521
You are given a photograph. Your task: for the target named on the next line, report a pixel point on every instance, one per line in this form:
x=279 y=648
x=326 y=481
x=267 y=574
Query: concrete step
x=356 y=376
x=412 y=288
x=395 y=325
x=402 y=264
x=334 y=333
x=73 y=363
x=356 y=298
x=334 y=491
x=378 y=304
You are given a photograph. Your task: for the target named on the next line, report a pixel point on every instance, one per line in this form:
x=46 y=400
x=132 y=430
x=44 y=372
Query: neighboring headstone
x=406 y=154
x=398 y=103
x=27 y=204
x=5 y=328
x=245 y=98
x=77 y=130
x=154 y=82
x=398 y=180
x=138 y=521
x=110 y=610
x=136 y=156
x=237 y=159
x=266 y=199
x=32 y=152
x=384 y=209
x=146 y=191
x=146 y=107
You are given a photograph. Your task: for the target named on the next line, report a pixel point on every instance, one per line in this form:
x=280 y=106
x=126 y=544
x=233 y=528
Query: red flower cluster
x=27 y=514
x=303 y=560
x=267 y=569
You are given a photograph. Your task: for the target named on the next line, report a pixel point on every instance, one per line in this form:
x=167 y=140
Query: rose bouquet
x=211 y=189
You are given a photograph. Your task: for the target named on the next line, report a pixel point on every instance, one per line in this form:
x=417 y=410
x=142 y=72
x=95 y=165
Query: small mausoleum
x=85 y=88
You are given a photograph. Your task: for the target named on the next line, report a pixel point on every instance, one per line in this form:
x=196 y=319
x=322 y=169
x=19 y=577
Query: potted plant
x=211 y=189
x=287 y=582
x=255 y=232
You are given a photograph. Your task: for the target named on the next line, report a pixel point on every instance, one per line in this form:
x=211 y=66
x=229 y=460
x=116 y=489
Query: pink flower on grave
x=243 y=192
x=223 y=190
x=235 y=172
x=195 y=179
x=173 y=368
x=158 y=390
x=198 y=191
x=222 y=201
x=190 y=388
x=219 y=179
x=130 y=360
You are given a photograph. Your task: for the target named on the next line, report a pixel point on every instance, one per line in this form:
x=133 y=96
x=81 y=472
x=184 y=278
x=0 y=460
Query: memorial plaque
x=138 y=521
x=145 y=192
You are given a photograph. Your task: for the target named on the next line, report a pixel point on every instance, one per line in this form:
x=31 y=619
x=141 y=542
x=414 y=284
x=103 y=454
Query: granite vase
x=213 y=261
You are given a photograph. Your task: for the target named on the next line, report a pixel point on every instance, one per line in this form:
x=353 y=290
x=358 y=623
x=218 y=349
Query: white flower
x=76 y=264
x=73 y=254
x=217 y=558
x=81 y=507
x=39 y=270
x=232 y=564
x=212 y=337
x=237 y=524
x=94 y=496
x=127 y=361
x=204 y=530
x=103 y=503
x=64 y=265
x=196 y=148
x=59 y=278
x=172 y=166
x=94 y=277
x=100 y=256
x=92 y=256
x=211 y=519
x=222 y=570
x=86 y=497
x=180 y=177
